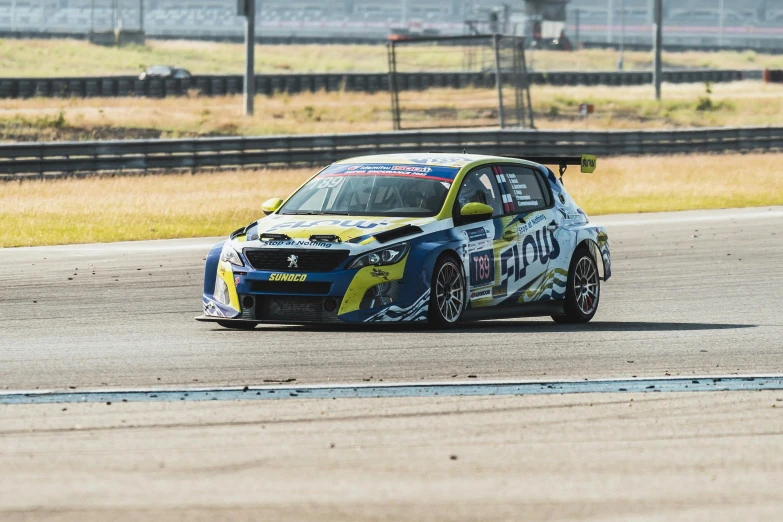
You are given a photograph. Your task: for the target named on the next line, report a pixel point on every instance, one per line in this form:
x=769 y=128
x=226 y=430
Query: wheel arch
x=592 y=246
x=210 y=268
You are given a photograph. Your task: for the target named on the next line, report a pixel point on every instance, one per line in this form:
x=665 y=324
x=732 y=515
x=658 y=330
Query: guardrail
x=221 y=85
x=53 y=159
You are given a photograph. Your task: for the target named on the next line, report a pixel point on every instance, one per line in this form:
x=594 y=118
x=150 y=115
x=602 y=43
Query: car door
x=482 y=240
x=524 y=265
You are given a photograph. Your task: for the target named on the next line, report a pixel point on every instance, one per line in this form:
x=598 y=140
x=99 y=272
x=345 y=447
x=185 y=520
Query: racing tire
x=238 y=325
x=448 y=292
x=583 y=289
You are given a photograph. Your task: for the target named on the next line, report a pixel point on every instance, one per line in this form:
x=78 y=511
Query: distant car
x=165 y=71
x=414 y=237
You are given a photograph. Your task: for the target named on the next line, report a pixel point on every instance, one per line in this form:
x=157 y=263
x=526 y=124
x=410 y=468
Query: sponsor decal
x=295 y=278
x=480 y=294
x=286 y=308
x=412 y=168
x=456 y=161
x=474 y=234
x=482 y=267
x=295 y=243
x=341 y=171
x=571 y=216
x=484 y=244
x=342 y=223
x=537 y=248
x=377 y=272
x=588 y=163
x=478 y=239
x=237 y=280
x=529 y=224
x=499 y=291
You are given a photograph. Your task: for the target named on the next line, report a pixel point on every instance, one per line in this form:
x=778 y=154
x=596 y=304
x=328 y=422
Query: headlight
x=230 y=255
x=385 y=256
x=221 y=292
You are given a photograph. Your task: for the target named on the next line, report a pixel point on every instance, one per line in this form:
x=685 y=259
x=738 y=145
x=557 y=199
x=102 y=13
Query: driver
x=473 y=192
x=412 y=198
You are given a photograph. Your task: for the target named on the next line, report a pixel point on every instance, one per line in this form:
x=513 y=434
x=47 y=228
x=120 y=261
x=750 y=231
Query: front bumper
x=339 y=296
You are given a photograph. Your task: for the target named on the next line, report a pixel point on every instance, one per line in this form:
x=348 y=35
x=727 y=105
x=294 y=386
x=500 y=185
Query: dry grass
x=132 y=208
x=661 y=184
x=64 y=57
x=44 y=119
x=156 y=207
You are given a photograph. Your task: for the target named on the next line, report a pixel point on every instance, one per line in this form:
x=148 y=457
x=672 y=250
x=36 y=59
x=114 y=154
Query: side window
x=528 y=189
x=479 y=186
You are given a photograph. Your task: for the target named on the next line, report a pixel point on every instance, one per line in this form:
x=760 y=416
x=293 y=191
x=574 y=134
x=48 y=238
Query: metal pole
x=498 y=79
x=405 y=13
x=609 y=20
x=577 y=28
x=658 y=37
x=13 y=16
x=92 y=17
x=249 y=87
x=141 y=16
x=621 y=61
x=395 y=99
x=720 y=11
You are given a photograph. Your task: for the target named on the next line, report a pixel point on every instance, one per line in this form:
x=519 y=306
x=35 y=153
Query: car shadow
x=509 y=326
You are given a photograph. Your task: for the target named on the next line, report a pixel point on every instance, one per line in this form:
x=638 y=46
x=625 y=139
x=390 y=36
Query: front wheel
x=447 y=292
x=582 y=290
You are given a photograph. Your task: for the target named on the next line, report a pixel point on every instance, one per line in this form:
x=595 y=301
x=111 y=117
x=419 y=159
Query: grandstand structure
x=744 y=23
x=753 y=24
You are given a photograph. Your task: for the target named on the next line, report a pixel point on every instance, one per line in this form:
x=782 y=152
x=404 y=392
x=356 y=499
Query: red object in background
x=773 y=75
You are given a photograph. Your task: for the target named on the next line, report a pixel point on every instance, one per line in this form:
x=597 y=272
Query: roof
x=440 y=159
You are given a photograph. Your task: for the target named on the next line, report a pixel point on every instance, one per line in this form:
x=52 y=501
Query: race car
x=436 y=238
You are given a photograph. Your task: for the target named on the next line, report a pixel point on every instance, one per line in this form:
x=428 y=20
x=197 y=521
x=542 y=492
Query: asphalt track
x=693 y=294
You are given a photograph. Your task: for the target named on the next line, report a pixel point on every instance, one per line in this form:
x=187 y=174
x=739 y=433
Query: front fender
x=210 y=268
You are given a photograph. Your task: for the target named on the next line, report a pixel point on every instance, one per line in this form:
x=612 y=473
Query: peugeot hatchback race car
x=439 y=238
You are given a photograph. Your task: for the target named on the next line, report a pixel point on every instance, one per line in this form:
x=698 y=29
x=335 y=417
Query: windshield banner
x=432 y=172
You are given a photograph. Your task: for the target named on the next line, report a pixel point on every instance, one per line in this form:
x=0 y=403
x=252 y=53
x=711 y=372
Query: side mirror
x=271 y=205
x=476 y=211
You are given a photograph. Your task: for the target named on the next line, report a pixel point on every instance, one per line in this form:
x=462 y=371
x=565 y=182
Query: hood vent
x=325 y=238
x=274 y=237
x=391 y=235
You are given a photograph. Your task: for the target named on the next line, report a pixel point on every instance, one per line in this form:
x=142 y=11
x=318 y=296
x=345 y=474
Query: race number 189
x=482 y=267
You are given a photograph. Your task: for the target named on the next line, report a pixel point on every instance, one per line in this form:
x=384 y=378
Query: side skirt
x=537 y=309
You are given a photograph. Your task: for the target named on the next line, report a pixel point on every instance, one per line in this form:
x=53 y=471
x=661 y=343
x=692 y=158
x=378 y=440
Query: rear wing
x=587 y=162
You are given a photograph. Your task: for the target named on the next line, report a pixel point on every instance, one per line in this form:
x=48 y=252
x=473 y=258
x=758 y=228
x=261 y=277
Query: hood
x=313 y=231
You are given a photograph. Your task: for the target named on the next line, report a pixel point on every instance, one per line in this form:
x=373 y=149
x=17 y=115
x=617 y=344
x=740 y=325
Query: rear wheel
x=447 y=293
x=582 y=290
x=237 y=325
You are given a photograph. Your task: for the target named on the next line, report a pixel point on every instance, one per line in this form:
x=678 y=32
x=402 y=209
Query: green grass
x=66 y=57
x=183 y=205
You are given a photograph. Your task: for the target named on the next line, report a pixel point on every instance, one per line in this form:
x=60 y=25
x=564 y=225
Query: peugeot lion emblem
x=293 y=261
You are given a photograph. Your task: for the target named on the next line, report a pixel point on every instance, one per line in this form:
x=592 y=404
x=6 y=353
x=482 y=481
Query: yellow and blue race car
x=440 y=238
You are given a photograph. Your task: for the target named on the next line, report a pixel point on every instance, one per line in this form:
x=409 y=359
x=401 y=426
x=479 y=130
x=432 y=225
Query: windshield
x=374 y=190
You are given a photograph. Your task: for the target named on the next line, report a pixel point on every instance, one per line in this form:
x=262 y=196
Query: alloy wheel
x=450 y=292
